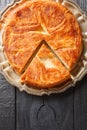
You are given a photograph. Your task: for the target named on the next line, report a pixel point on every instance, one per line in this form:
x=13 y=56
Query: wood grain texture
x=80 y=105
x=26 y=108
x=54 y=112
x=7 y=105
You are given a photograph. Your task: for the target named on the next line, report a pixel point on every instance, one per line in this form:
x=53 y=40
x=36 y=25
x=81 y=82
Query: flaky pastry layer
x=25 y=26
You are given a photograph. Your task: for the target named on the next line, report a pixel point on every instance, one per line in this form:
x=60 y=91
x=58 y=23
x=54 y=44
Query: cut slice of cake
x=45 y=70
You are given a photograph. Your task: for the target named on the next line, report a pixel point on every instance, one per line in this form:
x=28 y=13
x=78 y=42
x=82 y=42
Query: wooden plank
x=26 y=109
x=62 y=105
x=54 y=112
x=7 y=105
x=7 y=96
x=80 y=105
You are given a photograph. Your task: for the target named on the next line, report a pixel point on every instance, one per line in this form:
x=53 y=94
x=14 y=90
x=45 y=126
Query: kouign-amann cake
x=42 y=42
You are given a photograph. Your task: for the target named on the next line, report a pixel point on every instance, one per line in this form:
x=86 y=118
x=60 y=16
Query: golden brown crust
x=45 y=70
x=67 y=37
x=0 y=25
x=18 y=47
x=26 y=25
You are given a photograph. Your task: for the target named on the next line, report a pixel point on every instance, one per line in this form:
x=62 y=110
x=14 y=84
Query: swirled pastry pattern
x=26 y=25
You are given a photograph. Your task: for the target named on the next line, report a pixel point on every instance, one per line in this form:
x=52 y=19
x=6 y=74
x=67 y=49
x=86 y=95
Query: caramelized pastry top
x=41 y=64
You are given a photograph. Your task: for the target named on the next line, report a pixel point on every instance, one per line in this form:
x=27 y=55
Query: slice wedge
x=45 y=70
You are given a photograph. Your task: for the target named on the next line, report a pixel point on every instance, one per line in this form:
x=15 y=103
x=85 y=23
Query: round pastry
x=42 y=42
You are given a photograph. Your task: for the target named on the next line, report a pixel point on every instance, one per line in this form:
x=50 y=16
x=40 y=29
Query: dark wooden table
x=66 y=111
